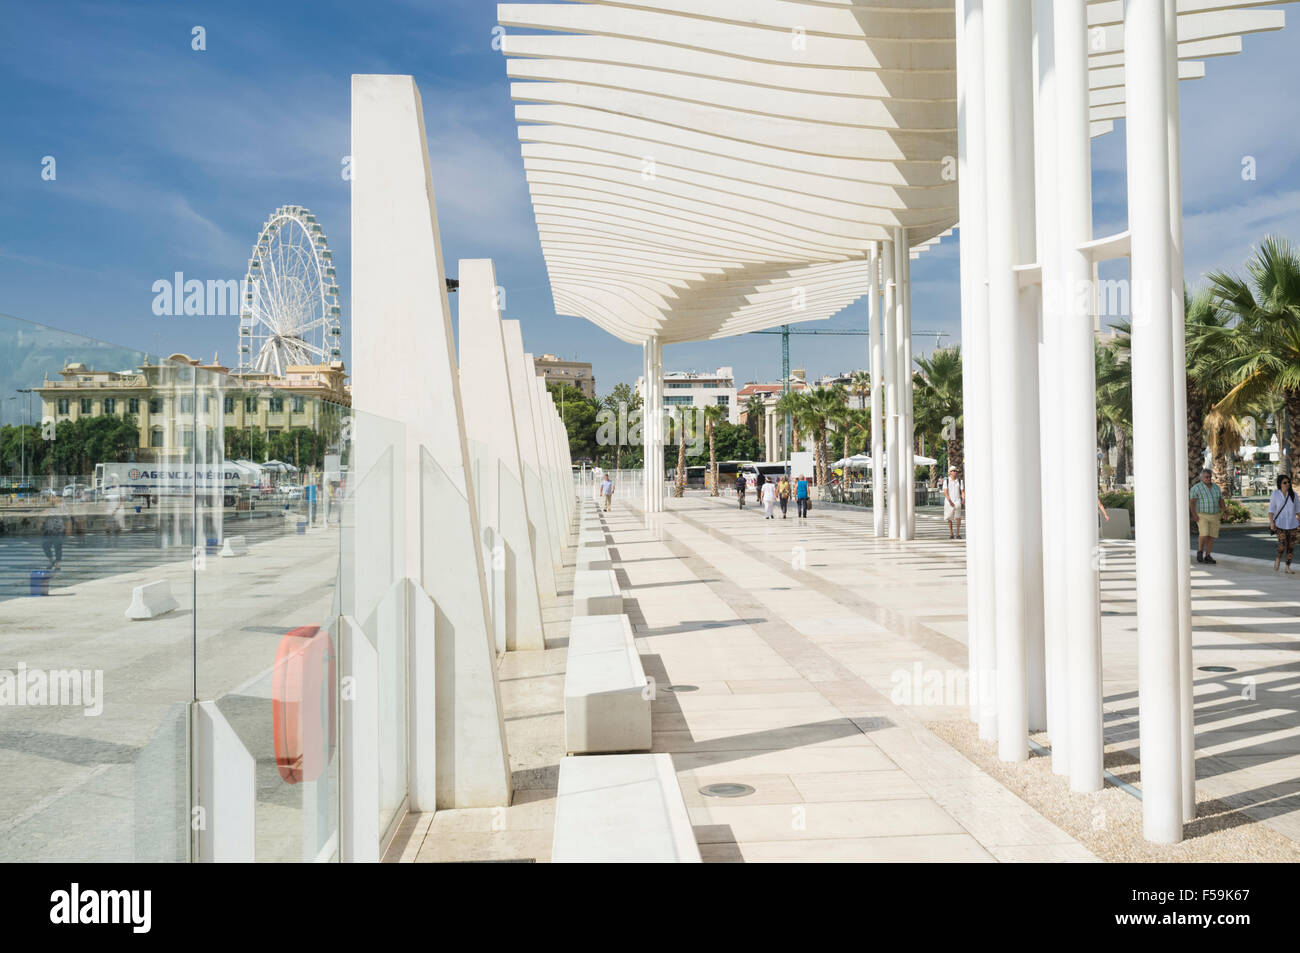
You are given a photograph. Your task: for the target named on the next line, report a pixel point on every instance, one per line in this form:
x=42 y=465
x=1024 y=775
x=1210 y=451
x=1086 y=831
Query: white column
x=1049 y=257
x=490 y=421
x=457 y=742
x=1006 y=64
x=645 y=425
x=1027 y=320
x=1078 y=401
x=1187 y=708
x=907 y=440
x=654 y=426
x=976 y=466
x=890 y=379
x=877 y=370
x=1146 y=72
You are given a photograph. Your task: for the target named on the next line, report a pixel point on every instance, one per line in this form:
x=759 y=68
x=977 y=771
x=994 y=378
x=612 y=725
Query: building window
x=110 y=405
x=677 y=385
x=133 y=405
x=250 y=405
x=187 y=404
x=723 y=400
x=156 y=437
x=155 y=405
x=187 y=439
x=273 y=431
x=277 y=405
x=85 y=405
x=679 y=401
x=299 y=404
x=228 y=404
x=63 y=406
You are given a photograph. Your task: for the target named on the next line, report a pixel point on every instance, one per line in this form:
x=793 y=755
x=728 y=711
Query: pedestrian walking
x=740 y=489
x=768 y=495
x=607 y=491
x=801 y=496
x=1284 y=521
x=783 y=493
x=54 y=527
x=954 y=501
x=1206 y=503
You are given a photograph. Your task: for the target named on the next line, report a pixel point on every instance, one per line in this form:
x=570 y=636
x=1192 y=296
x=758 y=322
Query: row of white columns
x=1028 y=291
x=893 y=430
x=463 y=491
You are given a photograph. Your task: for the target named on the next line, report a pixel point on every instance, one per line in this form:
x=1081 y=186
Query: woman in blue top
x=801 y=495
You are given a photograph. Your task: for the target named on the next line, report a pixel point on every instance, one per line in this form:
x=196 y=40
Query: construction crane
x=785 y=331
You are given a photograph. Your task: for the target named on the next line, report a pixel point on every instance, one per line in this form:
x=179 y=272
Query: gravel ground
x=1109 y=822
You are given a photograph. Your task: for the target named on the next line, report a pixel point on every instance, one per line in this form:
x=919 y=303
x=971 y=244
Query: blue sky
x=169 y=160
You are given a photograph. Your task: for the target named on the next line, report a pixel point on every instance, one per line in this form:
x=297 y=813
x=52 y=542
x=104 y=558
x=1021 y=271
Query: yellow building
x=162 y=398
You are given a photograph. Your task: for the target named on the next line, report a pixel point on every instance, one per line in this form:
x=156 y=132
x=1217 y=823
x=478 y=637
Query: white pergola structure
x=702 y=168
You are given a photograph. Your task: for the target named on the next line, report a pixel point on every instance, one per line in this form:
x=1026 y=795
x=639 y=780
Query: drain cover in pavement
x=681 y=688
x=1217 y=668
x=726 y=789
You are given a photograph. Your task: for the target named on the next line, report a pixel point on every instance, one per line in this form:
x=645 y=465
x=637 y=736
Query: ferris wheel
x=290 y=313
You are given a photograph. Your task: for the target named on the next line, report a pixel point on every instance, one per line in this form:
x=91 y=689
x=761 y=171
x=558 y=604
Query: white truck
x=156 y=481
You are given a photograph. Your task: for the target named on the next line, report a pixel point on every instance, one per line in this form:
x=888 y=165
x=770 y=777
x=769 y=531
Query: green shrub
x=1234 y=512
x=1119 y=500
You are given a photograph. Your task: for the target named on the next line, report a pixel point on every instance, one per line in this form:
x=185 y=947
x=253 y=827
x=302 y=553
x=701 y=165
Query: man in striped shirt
x=1205 y=501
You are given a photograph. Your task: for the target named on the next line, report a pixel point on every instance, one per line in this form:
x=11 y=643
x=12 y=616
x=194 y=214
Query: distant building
x=696 y=389
x=164 y=406
x=771 y=427
x=574 y=373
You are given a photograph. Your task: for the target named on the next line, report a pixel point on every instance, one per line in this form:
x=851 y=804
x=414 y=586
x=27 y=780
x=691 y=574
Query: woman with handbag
x=1284 y=521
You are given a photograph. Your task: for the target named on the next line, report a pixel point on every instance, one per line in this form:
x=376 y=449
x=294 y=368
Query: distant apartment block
x=556 y=370
x=697 y=389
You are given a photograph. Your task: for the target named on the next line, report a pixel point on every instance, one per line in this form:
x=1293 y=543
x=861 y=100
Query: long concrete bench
x=594 y=557
x=606 y=695
x=596 y=592
x=235 y=546
x=151 y=600
x=591 y=536
x=621 y=808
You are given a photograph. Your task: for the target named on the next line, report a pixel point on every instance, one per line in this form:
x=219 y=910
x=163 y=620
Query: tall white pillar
x=1006 y=64
x=888 y=273
x=1146 y=79
x=1047 y=188
x=654 y=426
x=1187 y=707
x=877 y=371
x=1078 y=401
x=977 y=464
x=907 y=439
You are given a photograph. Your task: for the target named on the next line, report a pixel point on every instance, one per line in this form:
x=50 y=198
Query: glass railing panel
x=96 y=595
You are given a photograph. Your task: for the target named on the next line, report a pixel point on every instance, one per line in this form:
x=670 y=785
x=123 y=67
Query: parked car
x=77 y=492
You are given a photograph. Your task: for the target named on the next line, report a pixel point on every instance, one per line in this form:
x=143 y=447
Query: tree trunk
x=1121 y=456
x=1291 y=441
x=713 y=462
x=1221 y=473
x=679 y=485
x=956 y=447
x=1195 y=432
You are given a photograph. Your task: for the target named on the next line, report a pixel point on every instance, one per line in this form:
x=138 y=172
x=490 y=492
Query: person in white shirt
x=607 y=491
x=1284 y=520
x=769 y=499
x=954 y=499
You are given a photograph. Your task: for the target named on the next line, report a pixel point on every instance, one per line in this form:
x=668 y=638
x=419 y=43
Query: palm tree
x=754 y=412
x=860 y=387
x=712 y=415
x=679 y=484
x=1223 y=434
x=1266 y=353
x=1115 y=402
x=794 y=403
x=937 y=401
x=824 y=406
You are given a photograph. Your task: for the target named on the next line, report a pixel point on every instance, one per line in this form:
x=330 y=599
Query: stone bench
x=151 y=600
x=234 y=546
x=1118 y=526
x=621 y=808
x=594 y=557
x=596 y=592
x=606 y=695
x=591 y=536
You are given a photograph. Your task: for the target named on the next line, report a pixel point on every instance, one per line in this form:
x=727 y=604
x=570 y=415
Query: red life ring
x=303 y=704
